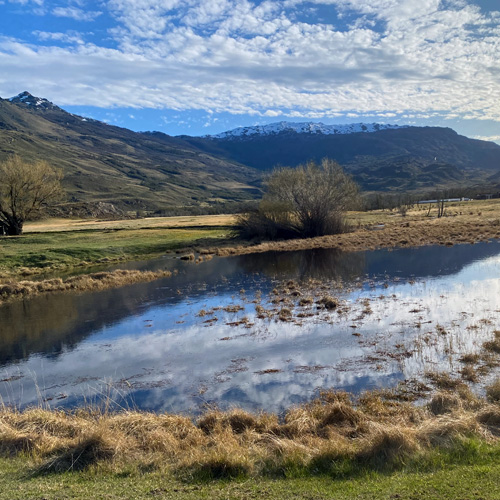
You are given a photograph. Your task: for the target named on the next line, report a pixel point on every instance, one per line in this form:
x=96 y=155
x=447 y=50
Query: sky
x=201 y=67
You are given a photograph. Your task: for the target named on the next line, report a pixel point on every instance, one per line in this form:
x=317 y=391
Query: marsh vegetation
x=279 y=328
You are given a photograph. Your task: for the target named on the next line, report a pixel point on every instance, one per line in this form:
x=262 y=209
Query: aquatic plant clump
x=86 y=282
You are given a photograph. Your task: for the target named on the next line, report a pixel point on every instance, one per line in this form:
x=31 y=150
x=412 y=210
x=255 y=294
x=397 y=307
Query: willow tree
x=305 y=201
x=25 y=190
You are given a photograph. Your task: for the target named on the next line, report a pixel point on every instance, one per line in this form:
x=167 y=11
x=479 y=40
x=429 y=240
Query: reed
x=85 y=282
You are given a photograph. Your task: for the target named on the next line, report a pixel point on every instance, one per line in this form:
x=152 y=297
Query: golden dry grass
x=465 y=222
x=85 y=282
x=225 y=444
x=56 y=225
x=493 y=391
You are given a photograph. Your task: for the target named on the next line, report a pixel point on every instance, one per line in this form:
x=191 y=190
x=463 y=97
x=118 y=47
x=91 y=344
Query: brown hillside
x=106 y=163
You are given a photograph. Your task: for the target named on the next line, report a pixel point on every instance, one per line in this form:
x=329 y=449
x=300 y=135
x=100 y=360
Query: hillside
x=103 y=163
x=154 y=171
x=380 y=157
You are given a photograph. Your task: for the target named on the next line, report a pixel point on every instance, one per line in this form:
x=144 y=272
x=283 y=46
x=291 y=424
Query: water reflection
x=149 y=345
x=331 y=264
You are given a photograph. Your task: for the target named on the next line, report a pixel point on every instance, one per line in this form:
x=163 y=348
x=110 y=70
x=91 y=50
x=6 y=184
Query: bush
x=305 y=202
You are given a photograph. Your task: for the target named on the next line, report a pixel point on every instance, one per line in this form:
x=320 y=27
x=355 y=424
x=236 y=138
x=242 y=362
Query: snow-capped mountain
x=303 y=128
x=27 y=99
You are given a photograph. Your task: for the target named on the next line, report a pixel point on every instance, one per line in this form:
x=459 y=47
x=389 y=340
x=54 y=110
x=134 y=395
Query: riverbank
x=370 y=447
x=395 y=232
x=82 y=283
x=60 y=245
x=35 y=253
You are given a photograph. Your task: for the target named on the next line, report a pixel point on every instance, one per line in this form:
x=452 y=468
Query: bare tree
x=309 y=200
x=25 y=189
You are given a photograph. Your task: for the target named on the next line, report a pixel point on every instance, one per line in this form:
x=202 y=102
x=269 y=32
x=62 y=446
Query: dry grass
x=328 y=302
x=51 y=225
x=493 y=391
x=220 y=444
x=478 y=223
x=493 y=345
x=85 y=282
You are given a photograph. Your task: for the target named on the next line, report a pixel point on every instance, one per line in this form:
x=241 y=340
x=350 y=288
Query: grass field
x=58 y=225
x=472 y=474
x=63 y=243
x=60 y=244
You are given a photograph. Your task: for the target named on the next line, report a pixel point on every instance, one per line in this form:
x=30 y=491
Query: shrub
x=307 y=201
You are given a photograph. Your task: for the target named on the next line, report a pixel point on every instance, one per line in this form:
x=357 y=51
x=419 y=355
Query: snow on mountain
x=30 y=100
x=303 y=128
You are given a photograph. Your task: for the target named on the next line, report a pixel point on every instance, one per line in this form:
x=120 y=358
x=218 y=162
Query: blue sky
x=204 y=66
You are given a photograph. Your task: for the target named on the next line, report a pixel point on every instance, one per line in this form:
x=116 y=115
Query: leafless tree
x=309 y=200
x=25 y=189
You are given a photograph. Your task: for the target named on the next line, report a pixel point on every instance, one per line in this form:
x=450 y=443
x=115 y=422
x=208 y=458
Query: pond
x=249 y=331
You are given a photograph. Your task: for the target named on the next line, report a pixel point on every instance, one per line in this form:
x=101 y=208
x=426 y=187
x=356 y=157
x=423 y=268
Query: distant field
x=52 y=225
x=487 y=208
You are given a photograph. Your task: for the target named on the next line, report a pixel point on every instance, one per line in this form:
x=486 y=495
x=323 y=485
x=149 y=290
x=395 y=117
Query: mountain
x=380 y=157
x=103 y=163
x=302 y=128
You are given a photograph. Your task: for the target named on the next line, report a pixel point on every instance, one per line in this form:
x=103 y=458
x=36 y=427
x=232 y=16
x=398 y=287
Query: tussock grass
x=321 y=436
x=493 y=345
x=445 y=402
x=86 y=282
x=395 y=233
x=328 y=302
x=493 y=391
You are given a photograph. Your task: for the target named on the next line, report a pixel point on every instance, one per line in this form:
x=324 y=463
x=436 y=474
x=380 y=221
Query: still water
x=170 y=346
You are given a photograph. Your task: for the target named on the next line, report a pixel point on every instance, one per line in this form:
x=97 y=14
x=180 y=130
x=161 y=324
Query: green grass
x=469 y=471
x=72 y=248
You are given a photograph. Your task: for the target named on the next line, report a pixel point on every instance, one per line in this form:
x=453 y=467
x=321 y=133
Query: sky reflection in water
x=146 y=346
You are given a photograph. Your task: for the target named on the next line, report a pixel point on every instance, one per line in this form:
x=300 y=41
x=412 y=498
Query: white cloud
x=70 y=37
x=25 y=2
x=399 y=57
x=76 y=13
x=493 y=138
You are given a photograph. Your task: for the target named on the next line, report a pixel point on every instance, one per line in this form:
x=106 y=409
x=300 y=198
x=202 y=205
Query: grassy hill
x=154 y=171
x=106 y=163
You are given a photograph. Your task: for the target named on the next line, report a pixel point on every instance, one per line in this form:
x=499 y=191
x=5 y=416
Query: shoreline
x=446 y=231
x=80 y=283
x=372 y=430
x=415 y=233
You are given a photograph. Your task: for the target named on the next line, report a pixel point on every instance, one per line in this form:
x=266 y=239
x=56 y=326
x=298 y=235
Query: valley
x=175 y=351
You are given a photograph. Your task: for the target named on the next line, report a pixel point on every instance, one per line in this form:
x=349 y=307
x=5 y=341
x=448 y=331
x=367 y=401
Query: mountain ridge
x=302 y=128
x=154 y=171
x=390 y=159
x=104 y=163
